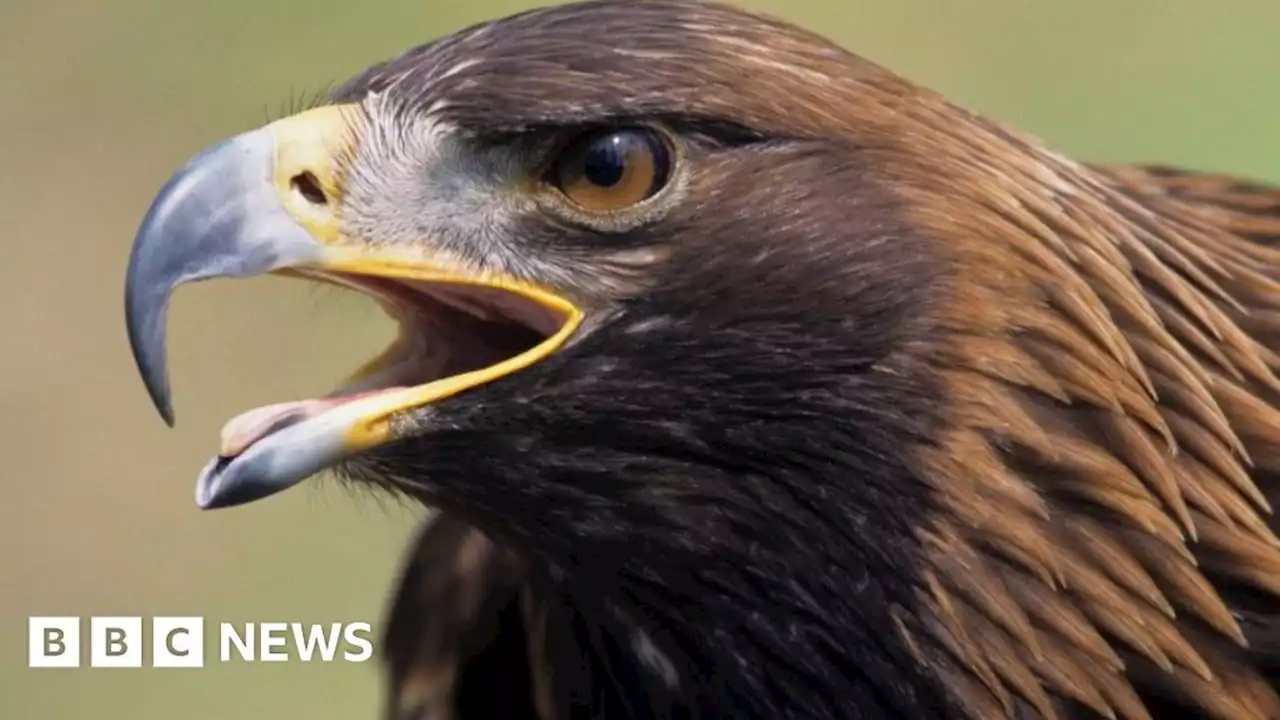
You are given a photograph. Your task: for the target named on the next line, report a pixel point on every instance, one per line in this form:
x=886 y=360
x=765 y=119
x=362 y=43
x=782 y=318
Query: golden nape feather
x=1109 y=481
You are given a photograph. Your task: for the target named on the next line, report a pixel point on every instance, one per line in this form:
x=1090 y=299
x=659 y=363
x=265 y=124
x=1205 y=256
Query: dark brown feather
x=462 y=635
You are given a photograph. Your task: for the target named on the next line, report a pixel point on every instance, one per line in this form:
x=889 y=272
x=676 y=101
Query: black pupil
x=606 y=159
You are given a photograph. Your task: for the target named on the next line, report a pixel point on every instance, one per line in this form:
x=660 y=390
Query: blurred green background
x=101 y=99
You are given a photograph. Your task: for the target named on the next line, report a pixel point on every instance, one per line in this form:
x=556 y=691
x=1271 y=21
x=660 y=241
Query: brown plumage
x=1107 y=488
x=1116 y=476
x=1105 y=483
x=882 y=409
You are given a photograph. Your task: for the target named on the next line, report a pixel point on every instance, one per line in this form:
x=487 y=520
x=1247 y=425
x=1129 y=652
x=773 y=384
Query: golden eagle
x=754 y=381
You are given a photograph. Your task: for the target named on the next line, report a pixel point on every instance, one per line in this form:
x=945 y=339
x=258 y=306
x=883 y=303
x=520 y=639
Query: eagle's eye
x=610 y=170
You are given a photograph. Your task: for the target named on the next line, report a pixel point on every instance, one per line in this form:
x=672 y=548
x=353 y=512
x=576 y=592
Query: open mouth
x=454 y=334
x=449 y=335
x=239 y=210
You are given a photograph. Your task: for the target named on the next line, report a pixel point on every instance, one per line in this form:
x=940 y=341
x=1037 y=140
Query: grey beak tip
x=221 y=487
x=145 y=322
x=155 y=379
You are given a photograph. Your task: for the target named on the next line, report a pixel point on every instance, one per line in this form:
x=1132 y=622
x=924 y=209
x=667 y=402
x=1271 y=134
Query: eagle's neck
x=734 y=557
x=808 y=632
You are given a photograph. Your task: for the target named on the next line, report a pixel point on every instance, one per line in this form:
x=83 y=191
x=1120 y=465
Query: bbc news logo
x=179 y=642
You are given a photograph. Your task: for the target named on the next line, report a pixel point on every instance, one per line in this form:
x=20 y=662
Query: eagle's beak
x=270 y=201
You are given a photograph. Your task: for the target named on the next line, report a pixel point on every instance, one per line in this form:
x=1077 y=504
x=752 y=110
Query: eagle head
x=838 y=400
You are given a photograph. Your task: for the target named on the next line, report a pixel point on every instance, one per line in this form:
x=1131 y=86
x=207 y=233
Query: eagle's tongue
x=248 y=428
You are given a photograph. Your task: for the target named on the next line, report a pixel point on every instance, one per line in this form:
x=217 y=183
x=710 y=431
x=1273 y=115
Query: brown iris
x=613 y=169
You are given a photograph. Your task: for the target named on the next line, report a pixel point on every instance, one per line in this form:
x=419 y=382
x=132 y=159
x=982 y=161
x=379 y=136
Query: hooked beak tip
x=219 y=216
x=165 y=409
x=146 y=330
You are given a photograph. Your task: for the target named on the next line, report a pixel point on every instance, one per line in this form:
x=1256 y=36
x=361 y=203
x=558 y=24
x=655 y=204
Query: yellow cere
x=312 y=144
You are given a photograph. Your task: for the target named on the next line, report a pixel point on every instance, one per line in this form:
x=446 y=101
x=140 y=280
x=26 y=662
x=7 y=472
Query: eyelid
x=561 y=138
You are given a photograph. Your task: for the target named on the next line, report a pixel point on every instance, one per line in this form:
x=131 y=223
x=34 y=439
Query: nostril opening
x=308 y=187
